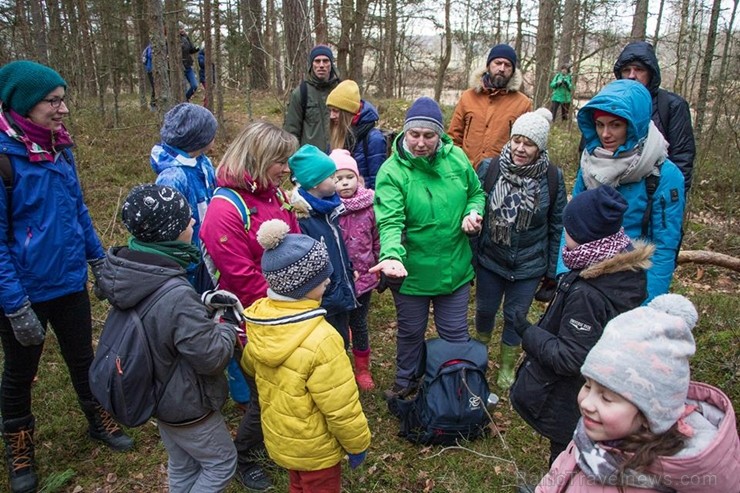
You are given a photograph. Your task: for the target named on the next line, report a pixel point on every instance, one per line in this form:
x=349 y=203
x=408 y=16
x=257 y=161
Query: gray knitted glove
x=97 y=270
x=26 y=326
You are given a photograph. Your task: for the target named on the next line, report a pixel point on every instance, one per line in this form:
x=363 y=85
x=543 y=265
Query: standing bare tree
x=444 y=61
x=658 y=22
x=257 y=62
x=639 y=21
x=706 y=69
x=544 y=50
x=570 y=16
x=297 y=39
x=160 y=57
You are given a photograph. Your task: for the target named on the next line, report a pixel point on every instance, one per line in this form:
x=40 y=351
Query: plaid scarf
x=515 y=197
x=601 y=465
x=595 y=251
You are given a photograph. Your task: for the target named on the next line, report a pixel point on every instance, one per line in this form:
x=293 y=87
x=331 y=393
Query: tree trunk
x=722 y=79
x=142 y=40
x=707 y=257
x=544 y=50
x=657 y=23
x=160 y=58
x=297 y=38
x=706 y=70
x=217 y=86
x=357 y=55
x=174 y=58
x=274 y=43
x=570 y=16
x=445 y=58
x=680 y=56
x=39 y=31
x=257 y=61
x=346 y=19
x=208 y=62
x=519 y=30
x=391 y=30
x=319 y=19
x=639 y=21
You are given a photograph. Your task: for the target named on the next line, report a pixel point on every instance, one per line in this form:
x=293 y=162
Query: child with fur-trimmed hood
x=607 y=277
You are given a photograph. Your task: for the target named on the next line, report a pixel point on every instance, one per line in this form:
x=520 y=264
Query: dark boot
x=19 y=454
x=104 y=428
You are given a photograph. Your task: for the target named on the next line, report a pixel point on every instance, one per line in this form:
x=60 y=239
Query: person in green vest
x=562 y=88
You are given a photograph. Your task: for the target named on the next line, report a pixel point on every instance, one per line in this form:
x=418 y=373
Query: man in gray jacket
x=189 y=350
x=307 y=116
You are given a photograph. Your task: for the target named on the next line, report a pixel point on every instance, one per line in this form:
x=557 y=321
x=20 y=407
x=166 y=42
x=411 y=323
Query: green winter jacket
x=419 y=207
x=311 y=127
x=561 y=86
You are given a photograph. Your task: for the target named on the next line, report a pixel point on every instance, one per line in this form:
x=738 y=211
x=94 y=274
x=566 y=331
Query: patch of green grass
x=111 y=160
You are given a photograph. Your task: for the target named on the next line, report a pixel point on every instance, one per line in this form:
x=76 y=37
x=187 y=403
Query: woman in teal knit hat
x=47 y=241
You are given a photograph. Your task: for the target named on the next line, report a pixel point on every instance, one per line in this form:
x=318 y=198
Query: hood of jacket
x=125 y=282
x=643 y=52
x=368 y=113
x=514 y=84
x=625 y=98
x=164 y=156
x=275 y=337
x=633 y=260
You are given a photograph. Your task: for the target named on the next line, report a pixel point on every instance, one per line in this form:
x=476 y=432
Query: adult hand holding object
x=390 y=267
x=472 y=223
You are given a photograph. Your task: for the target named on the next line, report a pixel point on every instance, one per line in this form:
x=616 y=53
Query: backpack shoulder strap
x=491 y=175
x=552 y=186
x=651 y=185
x=235 y=199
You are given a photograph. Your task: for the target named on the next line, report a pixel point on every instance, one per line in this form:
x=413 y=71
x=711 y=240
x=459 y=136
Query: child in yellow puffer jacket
x=302 y=371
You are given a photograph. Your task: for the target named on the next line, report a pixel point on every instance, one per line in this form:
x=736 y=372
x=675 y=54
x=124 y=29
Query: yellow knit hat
x=346 y=96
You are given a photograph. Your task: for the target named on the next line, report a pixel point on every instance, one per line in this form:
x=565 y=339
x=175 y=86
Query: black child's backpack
x=122 y=372
x=451 y=404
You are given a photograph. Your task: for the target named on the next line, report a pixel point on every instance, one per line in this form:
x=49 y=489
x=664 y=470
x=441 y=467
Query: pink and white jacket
x=234 y=250
x=710 y=462
x=361 y=237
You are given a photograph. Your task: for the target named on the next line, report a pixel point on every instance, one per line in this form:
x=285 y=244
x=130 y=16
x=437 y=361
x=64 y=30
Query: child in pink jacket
x=363 y=245
x=644 y=426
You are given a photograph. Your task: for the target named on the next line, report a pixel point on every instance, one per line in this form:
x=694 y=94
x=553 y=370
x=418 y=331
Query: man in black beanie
x=307 y=116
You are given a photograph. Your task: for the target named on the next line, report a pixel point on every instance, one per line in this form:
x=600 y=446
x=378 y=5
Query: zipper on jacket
x=431 y=202
x=662 y=210
x=344 y=261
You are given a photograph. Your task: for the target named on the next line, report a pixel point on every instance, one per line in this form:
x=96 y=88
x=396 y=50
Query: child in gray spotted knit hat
x=300 y=365
x=644 y=423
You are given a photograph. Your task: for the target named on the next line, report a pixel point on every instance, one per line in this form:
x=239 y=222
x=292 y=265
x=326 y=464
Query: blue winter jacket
x=48 y=237
x=631 y=101
x=194 y=177
x=370 y=146
x=340 y=294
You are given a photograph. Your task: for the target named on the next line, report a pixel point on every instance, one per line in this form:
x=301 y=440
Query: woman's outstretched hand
x=390 y=267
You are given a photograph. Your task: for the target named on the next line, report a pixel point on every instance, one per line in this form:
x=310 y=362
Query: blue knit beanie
x=188 y=127
x=293 y=264
x=24 y=83
x=594 y=214
x=502 y=51
x=310 y=166
x=425 y=113
x=320 y=50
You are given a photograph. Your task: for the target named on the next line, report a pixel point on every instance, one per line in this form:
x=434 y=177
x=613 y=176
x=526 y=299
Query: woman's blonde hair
x=341 y=136
x=257 y=147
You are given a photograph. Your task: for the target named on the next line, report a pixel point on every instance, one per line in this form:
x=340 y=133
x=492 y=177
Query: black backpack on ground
x=451 y=403
x=122 y=372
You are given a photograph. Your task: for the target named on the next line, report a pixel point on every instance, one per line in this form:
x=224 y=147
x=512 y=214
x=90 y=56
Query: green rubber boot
x=509 y=356
x=484 y=337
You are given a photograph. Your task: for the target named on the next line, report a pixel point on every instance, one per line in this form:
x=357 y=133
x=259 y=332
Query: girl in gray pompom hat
x=645 y=426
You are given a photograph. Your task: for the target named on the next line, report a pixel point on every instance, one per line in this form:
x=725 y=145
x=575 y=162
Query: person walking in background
x=307 y=116
x=180 y=160
x=645 y=427
x=146 y=60
x=562 y=88
x=518 y=246
x=189 y=350
x=607 y=277
x=301 y=366
x=360 y=234
x=352 y=123
x=318 y=207
x=427 y=201
x=671 y=114
x=47 y=241
x=624 y=149
x=485 y=113
x=188 y=48
x=254 y=168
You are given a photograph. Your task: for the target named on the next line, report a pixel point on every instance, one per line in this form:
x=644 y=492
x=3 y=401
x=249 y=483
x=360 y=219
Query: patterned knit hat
x=424 y=113
x=344 y=160
x=502 y=51
x=155 y=213
x=643 y=356
x=310 y=166
x=346 y=96
x=189 y=127
x=24 y=83
x=293 y=264
x=535 y=126
x=594 y=214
